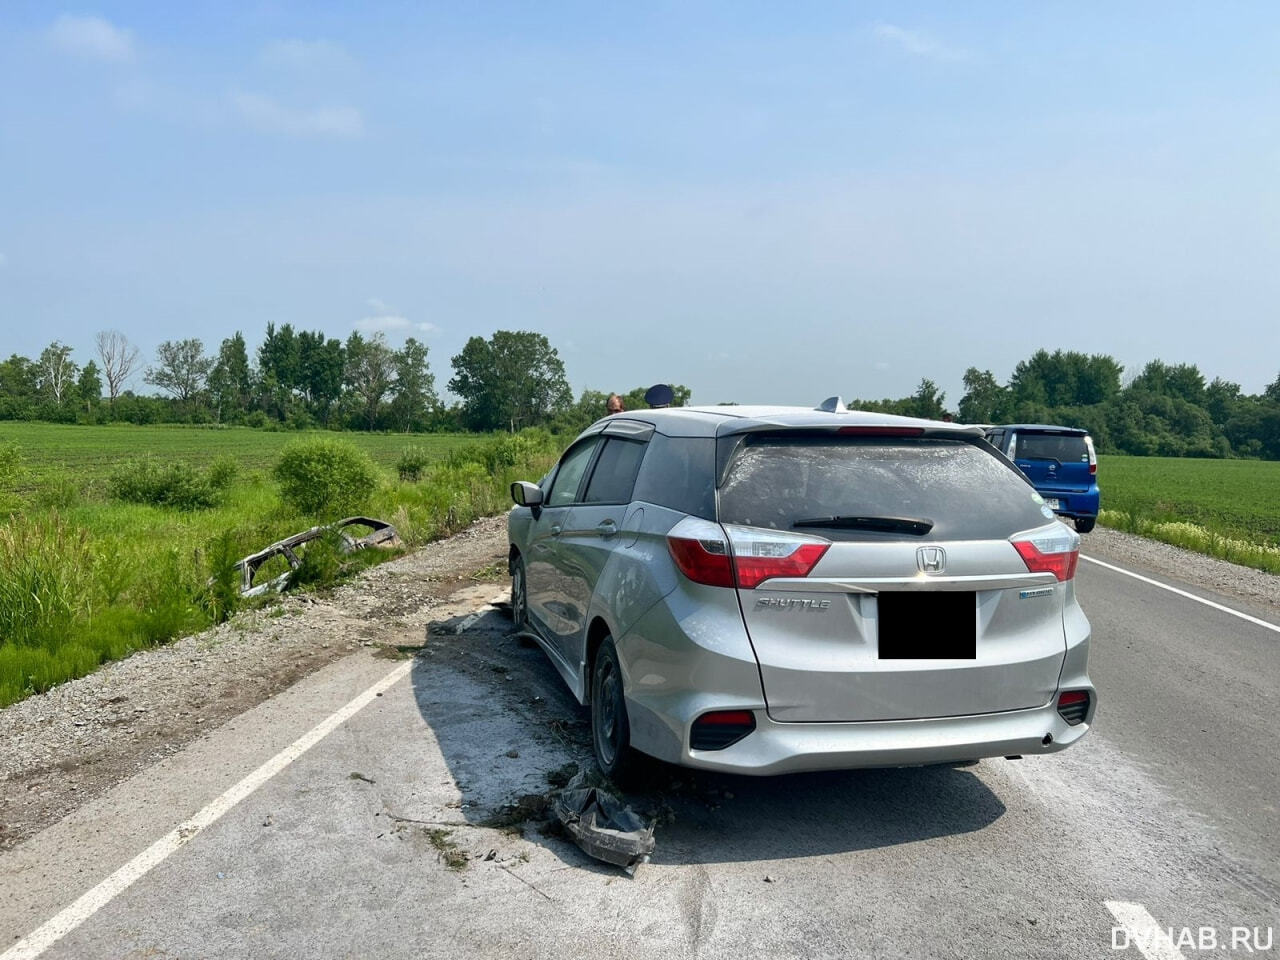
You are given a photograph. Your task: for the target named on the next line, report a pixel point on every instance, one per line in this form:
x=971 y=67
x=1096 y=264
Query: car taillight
x=702 y=561
x=1054 y=549
x=1093 y=456
x=740 y=556
x=759 y=555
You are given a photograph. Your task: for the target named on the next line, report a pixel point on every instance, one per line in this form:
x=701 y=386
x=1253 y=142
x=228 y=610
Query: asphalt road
x=369 y=839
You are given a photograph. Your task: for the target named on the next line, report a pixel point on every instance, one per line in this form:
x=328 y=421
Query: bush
x=325 y=477
x=412 y=462
x=172 y=483
x=222 y=473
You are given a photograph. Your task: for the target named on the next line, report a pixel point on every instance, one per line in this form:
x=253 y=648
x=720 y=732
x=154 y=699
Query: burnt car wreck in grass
x=381 y=535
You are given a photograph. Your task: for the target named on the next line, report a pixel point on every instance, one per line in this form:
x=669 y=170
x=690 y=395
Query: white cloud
x=387 y=319
x=269 y=116
x=919 y=44
x=297 y=54
x=387 y=324
x=92 y=37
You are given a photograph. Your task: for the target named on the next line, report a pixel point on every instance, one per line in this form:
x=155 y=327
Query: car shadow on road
x=508 y=729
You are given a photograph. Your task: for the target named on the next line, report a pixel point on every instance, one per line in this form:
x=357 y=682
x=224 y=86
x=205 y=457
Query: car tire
x=519 y=595
x=610 y=728
x=1085 y=524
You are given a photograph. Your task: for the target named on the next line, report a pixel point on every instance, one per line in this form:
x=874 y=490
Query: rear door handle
x=555 y=529
x=607 y=528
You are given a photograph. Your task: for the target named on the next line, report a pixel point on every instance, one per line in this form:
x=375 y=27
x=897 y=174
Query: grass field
x=1227 y=508
x=89 y=453
x=86 y=577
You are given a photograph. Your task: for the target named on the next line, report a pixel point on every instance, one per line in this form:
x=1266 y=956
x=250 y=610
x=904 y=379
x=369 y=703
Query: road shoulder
x=66 y=747
x=1186 y=568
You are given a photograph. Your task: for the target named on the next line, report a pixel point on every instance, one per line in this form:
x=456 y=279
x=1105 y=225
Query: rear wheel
x=1085 y=524
x=519 y=595
x=610 y=729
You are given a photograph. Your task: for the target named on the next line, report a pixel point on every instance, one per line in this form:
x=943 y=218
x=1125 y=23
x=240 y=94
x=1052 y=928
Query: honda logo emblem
x=931 y=559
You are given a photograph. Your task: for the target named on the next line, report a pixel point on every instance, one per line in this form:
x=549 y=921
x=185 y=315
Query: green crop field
x=89 y=453
x=115 y=538
x=1235 y=498
x=1225 y=508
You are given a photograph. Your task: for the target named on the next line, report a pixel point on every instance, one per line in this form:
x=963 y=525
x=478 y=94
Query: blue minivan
x=1060 y=461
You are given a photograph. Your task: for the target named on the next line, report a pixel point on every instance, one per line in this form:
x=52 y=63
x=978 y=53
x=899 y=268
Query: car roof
x=1040 y=426
x=721 y=421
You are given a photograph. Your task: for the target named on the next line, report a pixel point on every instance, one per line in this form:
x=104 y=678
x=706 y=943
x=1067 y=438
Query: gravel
x=1195 y=570
x=73 y=743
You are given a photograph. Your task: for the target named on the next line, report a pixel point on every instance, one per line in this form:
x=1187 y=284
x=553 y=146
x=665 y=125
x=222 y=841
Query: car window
x=679 y=473
x=961 y=488
x=614 y=475
x=564 y=489
x=1065 y=449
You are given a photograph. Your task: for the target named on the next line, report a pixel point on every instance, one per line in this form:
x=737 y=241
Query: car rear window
x=965 y=491
x=1045 y=446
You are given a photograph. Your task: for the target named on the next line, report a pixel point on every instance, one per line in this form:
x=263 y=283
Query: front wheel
x=519 y=595
x=610 y=729
x=1085 y=524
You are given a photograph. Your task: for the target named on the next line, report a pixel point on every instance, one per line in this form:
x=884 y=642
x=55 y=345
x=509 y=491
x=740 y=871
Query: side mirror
x=526 y=494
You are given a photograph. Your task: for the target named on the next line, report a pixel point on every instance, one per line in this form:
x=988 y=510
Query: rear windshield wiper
x=912 y=525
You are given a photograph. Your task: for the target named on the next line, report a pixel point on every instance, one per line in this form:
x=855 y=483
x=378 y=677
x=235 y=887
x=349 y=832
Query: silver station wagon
x=763 y=590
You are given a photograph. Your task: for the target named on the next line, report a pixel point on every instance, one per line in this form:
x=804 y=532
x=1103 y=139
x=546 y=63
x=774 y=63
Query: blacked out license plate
x=927 y=625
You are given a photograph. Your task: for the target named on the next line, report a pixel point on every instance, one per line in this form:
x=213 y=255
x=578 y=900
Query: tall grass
x=86 y=578
x=1191 y=536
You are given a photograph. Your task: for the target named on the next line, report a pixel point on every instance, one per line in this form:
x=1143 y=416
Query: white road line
x=62 y=923
x=1266 y=625
x=1142 y=932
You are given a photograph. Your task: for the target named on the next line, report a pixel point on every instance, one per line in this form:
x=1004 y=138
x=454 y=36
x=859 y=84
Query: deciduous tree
x=57 y=371
x=370 y=370
x=512 y=380
x=119 y=360
x=414 y=390
x=181 y=369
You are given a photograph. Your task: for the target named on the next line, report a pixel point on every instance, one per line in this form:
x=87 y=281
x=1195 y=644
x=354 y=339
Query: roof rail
x=832 y=405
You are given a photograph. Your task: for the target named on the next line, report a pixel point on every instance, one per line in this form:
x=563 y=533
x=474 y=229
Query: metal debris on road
x=602 y=825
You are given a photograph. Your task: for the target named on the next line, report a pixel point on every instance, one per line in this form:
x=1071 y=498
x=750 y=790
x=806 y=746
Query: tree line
x=515 y=379
x=294 y=378
x=1165 y=410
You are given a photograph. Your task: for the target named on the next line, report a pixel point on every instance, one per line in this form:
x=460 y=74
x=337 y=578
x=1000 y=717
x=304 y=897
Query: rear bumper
x=1072 y=503
x=690 y=654
x=775 y=748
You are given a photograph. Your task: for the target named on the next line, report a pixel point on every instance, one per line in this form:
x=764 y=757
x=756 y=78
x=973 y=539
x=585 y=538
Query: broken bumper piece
x=602 y=825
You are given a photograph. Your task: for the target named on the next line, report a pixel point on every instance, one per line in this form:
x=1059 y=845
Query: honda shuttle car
x=763 y=590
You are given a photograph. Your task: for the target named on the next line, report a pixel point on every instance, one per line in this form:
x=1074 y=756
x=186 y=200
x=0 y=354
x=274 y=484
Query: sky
x=766 y=202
